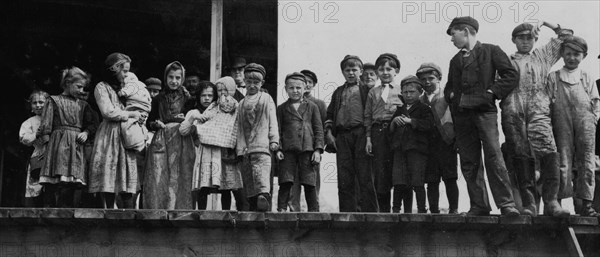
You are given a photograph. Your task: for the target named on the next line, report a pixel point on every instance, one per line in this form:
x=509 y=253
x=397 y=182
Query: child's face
x=524 y=42
x=253 y=85
x=386 y=73
x=309 y=84
x=122 y=74
x=192 y=84
x=459 y=38
x=410 y=93
x=430 y=82
x=222 y=90
x=75 y=89
x=571 y=57
x=174 y=79
x=37 y=104
x=351 y=74
x=295 y=89
x=206 y=97
x=369 y=77
x=153 y=92
x=238 y=75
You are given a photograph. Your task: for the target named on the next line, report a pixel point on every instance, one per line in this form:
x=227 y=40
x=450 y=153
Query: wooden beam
x=572 y=242
x=216 y=40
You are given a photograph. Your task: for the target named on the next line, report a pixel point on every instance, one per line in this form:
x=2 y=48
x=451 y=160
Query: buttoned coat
x=300 y=130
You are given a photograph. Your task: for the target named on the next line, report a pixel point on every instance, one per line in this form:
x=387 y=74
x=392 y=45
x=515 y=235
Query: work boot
x=588 y=210
x=551 y=178
x=509 y=211
x=263 y=203
x=525 y=171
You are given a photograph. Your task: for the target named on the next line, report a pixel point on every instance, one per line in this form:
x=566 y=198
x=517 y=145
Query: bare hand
x=82 y=137
x=160 y=124
x=143 y=118
x=369 y=147
x=316 y=157
x=280 y=155
x=398 y=121
x=406 y=120
x=274 y=146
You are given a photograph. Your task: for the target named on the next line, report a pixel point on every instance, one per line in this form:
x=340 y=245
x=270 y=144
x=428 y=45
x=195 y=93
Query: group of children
x=393 y=137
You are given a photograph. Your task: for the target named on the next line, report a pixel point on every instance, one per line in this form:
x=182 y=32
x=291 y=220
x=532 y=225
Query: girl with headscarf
x=113 y=169
x=214 y=168
x=170 y=156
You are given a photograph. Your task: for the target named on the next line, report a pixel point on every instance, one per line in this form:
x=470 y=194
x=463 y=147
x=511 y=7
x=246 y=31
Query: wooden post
x=216 y=40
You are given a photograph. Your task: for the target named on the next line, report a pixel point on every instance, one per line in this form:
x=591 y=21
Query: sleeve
x=90 y=120
x=449 y=85
x=47 y=118
x=317 y=124
x=153 y=116
x=241 y=144
x=323 y=112
x=26 y=133
x=368 y=114
x=187 y=125
x=107 y=108
x=594 y=95
x=424 y=123
x=550 y=87
x=280 y=122
x=331 y=109
x=508 y=76
x=128 y=90
x=550 y=52
x=273 y=125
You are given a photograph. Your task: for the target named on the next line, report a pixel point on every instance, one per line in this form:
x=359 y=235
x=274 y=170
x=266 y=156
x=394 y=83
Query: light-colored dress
x=63 y=118
x=112 y=168
x=27 y=136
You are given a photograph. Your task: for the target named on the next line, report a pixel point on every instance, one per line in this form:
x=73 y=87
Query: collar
x=518 y=55
x=471 y=46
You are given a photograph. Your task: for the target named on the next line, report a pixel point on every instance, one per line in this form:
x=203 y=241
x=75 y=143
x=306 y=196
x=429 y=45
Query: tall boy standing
x=382 y=103
x=346 y=132
x=471 y=91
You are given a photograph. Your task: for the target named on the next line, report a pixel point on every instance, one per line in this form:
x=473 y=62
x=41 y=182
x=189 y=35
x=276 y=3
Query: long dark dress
x=170 y=159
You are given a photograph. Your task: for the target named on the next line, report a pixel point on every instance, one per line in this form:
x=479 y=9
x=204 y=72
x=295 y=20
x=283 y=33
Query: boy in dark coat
x=411 y=128
x=301 y=131
x=345 y=131
x=471 y=92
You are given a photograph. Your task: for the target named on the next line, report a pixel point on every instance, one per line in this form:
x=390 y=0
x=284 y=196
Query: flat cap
x=428 y=67
x=348 y=57
x=523 y=28
x=576 y=43
x=296 y=75
x=410 y=79
x=466 y=20
x=310 y=74
x=388 y=56
x=153 y=83
x=255 y=67
x=370 y=66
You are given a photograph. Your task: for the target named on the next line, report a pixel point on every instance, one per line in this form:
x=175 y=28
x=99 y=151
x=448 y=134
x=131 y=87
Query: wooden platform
x=94 y=232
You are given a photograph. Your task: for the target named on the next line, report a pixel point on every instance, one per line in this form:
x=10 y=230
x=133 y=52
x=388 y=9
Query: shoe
x=587 y=209
x=475 y=212
x=263 y=204
x=509 y=211
x=453 y=211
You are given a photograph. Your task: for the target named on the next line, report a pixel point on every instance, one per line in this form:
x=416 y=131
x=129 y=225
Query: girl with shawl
x=170 y=156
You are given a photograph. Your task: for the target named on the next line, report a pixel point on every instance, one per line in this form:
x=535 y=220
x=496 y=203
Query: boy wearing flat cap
x=526 y=120
x=479 y=74
x=369 y=75
x=382 y=103
x=258 y=136
x=311 y=82
x=154 y=86
x=345 y=131
x=441 y=144
x=575 y=106
x=411 y=128
x=301 y=131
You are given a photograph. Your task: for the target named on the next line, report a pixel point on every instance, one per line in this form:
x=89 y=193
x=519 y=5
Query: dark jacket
x=416 y=135
x=301 y=130
x=336 y=101
x=470 y=81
